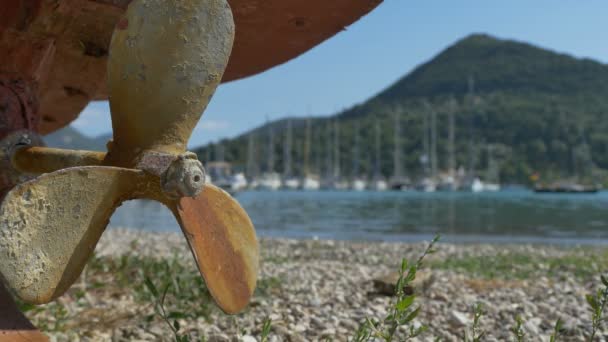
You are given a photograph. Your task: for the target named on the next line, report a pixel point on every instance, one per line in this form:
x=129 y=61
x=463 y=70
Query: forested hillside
x=531 y=110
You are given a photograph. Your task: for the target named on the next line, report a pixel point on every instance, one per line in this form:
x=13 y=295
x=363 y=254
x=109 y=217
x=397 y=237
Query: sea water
x=518 y=216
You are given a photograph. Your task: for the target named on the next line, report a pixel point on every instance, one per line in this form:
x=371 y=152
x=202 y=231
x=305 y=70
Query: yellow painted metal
x=166 y=60
x=223 y=242
x=35 y=159
x=49 y=226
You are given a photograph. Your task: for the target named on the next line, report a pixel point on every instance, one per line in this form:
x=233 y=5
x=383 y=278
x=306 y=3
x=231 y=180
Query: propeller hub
x=185 y=177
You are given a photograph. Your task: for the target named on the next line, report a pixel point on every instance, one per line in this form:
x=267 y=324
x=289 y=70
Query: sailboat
x=309 y=181
x=357 y=183
x=428 y=182
x=327 y=180
x=270 y=180
x=289 y=181
x=238 y=182
x=449 y=182
x=378 y=182
x=252 y=168
x=336 y=182
x=492 y=173
x=474 y=183
x=398 y=181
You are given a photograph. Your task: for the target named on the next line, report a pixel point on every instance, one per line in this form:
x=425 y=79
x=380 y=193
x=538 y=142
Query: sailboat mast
x=490 y=170
x=433 y=144
x=251 y=167
x=397 y=168
x=425 y=141
x=328 y=149
x=356 y=152
x=377 y=166
x=451 y=139
x=336 y=149
x=307 y=148
x=270 y=146
x=287 y=150
x=316 y=150
x=472 y=158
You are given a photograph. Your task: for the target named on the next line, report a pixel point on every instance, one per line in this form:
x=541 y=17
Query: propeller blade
x=166 y=60
x=49 y=227
x=223 y=242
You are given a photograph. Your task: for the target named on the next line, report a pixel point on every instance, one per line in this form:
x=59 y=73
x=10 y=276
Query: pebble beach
x=315 y=290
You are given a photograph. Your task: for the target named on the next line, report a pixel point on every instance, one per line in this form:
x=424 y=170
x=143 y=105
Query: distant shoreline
x=456 y=239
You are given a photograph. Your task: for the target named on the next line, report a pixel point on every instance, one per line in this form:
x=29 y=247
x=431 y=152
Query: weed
x=170 y=318
x=597 y=304
x=267 y=325
x=518 y=330
x=401 y=313
x=558 y=328
x=132 y=271
x=476 y=333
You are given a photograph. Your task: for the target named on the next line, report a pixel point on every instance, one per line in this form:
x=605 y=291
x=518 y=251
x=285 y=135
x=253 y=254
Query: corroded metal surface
x=14 y=327
x=157 y=98
x=14 y=335
x=271 y=32
x=268 y=33
x=222 y=239
x=10 y=175
x=167 y=58
x=185 y=177
x=32 y=159
x=18 y=105
x=49 y=227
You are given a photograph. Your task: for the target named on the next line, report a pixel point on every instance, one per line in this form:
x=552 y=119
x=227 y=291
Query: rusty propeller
x=166 y=60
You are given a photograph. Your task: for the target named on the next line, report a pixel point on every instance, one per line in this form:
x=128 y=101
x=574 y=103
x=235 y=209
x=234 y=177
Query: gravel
x=324 y=289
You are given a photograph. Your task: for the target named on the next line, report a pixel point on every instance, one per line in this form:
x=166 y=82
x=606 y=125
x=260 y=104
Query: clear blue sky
x=379 y=49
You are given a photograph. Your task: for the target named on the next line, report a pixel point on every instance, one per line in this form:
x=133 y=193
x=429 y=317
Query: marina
x=449 y=159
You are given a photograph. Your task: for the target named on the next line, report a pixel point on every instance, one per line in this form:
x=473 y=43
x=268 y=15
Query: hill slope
x=70 y=138
x=534 y=109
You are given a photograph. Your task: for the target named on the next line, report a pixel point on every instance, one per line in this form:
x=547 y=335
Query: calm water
x=507 y=216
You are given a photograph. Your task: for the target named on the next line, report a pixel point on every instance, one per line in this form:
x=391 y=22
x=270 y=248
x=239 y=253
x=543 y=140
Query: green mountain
x=519 y=110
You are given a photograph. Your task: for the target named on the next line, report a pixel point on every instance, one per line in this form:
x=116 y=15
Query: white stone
x=459 y=319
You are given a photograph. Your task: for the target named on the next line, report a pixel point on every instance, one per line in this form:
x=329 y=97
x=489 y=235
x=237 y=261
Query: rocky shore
x=318 y=290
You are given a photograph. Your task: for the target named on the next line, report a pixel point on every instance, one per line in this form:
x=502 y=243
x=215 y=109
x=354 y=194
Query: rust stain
x=287 y=28
x=219 y=232
x=123 y=24
x=18 y=14
x=22 y=336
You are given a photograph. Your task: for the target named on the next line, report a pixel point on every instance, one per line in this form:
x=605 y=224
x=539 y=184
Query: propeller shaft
x=35 y=159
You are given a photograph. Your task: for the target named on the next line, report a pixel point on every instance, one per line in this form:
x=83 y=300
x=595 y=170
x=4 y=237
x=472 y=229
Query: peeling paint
x=47 y=244
x=157 y=107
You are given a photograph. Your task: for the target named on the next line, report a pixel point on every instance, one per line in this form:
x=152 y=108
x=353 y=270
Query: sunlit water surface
x=506 y=216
